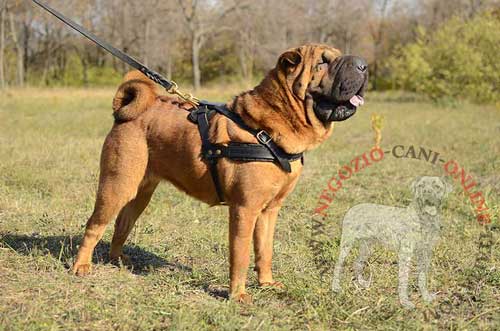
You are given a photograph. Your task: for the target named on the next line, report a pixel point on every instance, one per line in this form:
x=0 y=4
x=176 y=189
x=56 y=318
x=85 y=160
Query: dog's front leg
x=263 y=246
x=424 y=261
x=241 y=227
x=404 y=271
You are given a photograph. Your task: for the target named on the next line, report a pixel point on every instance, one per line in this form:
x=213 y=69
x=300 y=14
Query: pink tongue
x=357 y=101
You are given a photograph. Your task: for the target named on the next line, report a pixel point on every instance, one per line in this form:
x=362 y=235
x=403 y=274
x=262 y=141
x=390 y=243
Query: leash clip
x=184 y=96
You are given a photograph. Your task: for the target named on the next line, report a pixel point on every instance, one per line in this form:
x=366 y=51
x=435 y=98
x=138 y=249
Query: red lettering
x=478 y=200
x=356 y=164
x=344 y=177
x=447 y=167
x=380 y=153
x=325 y=196
x=320 y=210
x=483 y=219
x=367 y=162
x=334 y=189
x=464 y=179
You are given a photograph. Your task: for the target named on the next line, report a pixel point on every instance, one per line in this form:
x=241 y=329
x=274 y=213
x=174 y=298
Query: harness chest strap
x=265 y=151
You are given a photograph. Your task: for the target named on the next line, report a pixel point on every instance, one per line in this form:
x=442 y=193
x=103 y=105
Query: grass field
x=50 y=143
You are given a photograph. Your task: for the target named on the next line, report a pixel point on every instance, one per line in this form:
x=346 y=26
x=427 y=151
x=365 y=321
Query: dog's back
x=381 y=223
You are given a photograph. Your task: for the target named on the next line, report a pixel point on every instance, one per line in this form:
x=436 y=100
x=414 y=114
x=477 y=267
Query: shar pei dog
x=153 y=140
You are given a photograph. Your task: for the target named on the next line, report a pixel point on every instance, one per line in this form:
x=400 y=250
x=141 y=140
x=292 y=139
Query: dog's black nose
x=360 y=64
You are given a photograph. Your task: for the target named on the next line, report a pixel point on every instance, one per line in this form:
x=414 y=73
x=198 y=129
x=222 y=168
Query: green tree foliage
x=457 y=61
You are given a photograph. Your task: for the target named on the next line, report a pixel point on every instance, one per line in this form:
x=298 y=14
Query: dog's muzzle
x=429 y=205
x=350 y=78
x=339 y=113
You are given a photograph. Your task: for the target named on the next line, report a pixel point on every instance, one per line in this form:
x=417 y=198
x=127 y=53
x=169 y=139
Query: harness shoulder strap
x=261 y=135
x=207 y=150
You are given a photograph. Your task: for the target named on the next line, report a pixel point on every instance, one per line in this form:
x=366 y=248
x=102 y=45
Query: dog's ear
x=448 y=187
x=413 y=185
x=289 y=60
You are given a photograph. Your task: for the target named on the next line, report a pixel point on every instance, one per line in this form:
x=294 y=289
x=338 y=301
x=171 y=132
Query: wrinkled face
x=335 y=83
x=429 y=192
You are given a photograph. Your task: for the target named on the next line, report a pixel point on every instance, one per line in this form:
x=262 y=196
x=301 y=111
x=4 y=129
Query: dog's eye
x=324 y=60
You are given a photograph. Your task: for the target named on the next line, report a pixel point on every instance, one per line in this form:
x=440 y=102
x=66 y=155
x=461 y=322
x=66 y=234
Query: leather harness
x=265 y=151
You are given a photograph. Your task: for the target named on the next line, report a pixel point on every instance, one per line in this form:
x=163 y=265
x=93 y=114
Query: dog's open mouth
x=430 y=207
x=331 y=111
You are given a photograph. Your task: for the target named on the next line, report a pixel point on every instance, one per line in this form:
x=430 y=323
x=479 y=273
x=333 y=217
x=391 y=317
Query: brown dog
x=152 y=140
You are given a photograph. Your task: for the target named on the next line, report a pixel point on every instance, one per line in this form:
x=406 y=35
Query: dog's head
x=429 y=192
x=335 y=84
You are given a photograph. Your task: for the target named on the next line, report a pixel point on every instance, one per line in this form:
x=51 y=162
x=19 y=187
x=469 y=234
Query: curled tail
x=136 y=94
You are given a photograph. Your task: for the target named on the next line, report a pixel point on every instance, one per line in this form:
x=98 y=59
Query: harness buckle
x=263 y=137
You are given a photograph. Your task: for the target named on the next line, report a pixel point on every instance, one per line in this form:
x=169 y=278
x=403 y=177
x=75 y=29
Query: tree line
x=199 y=41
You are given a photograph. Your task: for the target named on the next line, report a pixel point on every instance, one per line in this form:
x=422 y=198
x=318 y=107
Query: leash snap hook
x=174 y=89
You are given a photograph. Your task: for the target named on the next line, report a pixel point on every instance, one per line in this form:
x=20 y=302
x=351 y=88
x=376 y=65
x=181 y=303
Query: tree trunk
x=147 y=33
x=2 y=49
x=85 y=71
x=19 y=51
x=169 y=67
x=347 y=42
x=46 y=68
x=195 y=62
x=378 y=38
x=246 y=64
x=243 y=63
x=27 y=36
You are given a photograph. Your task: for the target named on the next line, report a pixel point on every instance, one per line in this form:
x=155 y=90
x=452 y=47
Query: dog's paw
x=364 y=283
x=428 y=298
x=336 y=287
x=121 y=259
x=243 y=298
x=408 y=304
x=81 y=269
x=276 y=285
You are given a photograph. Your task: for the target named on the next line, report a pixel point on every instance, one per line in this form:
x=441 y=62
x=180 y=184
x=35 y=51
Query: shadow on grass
x=64 y=248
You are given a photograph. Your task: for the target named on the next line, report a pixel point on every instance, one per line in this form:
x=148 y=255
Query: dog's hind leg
x=359 y=265
x=345 y=248
x=405 y=254
x=123 y=165
x=127 y=218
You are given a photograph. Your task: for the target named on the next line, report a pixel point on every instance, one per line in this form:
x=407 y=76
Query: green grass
x=50 y=142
